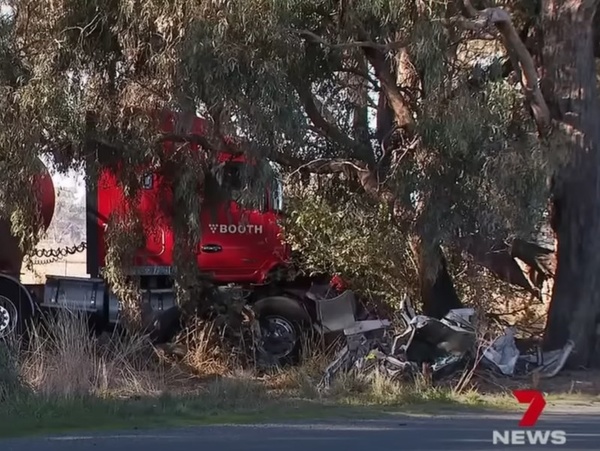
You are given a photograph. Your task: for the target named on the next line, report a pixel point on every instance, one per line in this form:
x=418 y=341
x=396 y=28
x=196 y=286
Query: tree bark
x=569 y=85
x=438 y=295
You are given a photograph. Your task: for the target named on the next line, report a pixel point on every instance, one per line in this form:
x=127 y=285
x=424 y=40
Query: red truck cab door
x=238 y=243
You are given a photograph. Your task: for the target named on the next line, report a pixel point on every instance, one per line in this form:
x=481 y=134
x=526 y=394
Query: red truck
x=241 y=249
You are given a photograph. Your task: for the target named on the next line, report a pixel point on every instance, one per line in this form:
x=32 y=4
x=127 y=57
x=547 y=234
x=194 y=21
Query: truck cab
x=238 y=244
x=241 y=246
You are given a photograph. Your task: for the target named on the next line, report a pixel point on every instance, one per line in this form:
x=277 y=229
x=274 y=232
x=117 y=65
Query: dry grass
x=66 y=378
x=63 y=359
x=203 y=354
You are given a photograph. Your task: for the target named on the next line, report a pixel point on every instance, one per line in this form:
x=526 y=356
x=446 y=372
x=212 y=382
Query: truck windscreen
x=240 y=182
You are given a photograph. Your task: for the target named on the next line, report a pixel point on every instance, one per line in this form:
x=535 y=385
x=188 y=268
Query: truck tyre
x=283 y=322
x=16 y=307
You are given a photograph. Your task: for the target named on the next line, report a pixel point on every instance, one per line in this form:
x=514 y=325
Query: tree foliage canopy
x=406 y=103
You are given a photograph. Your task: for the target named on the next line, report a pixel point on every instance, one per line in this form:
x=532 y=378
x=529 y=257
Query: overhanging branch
x=327 y=128
x=519 y=54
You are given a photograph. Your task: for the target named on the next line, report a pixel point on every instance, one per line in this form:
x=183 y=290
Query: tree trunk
x=436 y=287
x=569 y=84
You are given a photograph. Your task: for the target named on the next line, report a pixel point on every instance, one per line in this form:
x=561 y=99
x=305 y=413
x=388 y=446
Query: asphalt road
x=450 y=432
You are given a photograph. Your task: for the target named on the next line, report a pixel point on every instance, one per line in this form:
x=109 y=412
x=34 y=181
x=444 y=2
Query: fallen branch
x=501 y=260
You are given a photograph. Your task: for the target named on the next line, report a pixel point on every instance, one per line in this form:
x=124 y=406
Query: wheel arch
x=285 y=303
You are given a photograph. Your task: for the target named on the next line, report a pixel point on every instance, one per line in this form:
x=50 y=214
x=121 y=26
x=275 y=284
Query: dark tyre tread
x=291 y=311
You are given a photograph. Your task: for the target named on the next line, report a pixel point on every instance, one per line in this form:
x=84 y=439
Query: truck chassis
x=284 y=312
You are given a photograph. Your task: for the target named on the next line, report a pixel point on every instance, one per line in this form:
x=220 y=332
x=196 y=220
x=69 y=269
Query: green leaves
x=75 y=69
x=350 y=236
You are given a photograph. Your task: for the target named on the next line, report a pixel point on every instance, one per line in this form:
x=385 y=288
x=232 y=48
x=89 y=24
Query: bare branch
x=397 y=102
x=332 y=166
x=365 y=75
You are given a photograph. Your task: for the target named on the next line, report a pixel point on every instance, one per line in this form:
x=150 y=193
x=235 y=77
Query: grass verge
x=66 y=380
x=225 y=400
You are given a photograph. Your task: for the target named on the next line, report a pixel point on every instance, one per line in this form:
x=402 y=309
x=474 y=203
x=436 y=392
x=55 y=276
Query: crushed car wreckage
x=442 y=346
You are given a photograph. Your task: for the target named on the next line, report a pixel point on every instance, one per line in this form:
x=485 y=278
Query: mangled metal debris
x=504 y=356
x=445 y=346
x=503 y=352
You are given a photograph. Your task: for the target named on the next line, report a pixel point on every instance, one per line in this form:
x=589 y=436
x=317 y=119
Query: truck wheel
x=16 y=307
x=282 y=322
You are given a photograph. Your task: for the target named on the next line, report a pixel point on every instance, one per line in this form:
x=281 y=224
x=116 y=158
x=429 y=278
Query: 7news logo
x=536 y=402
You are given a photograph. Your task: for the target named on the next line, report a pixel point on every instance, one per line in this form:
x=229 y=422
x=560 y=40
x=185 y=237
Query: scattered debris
x=504 y=356
x=441 y=347
x=503 y=352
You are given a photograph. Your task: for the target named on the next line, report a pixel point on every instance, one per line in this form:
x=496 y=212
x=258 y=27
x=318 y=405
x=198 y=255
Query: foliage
x=293 y=79
x=123 y=239
x=488 y=175
x=351 y=237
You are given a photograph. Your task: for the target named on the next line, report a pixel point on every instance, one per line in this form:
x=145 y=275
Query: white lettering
x=517 y=437
x=501 y=437
x=233 y=228
x=541 y=437
x=558 y=437
x=520 y=437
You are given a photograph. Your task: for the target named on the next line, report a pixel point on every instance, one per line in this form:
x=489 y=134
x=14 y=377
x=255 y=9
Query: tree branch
x=324 y=165
x=469 y=9
x=316 y=39
x=521 y=57
x=397 y=102
x=313 y=113
x=501 y=260
x=365 y=75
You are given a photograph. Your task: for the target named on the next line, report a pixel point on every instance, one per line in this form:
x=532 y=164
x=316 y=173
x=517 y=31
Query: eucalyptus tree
x=570 y=31
x=393 y=98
